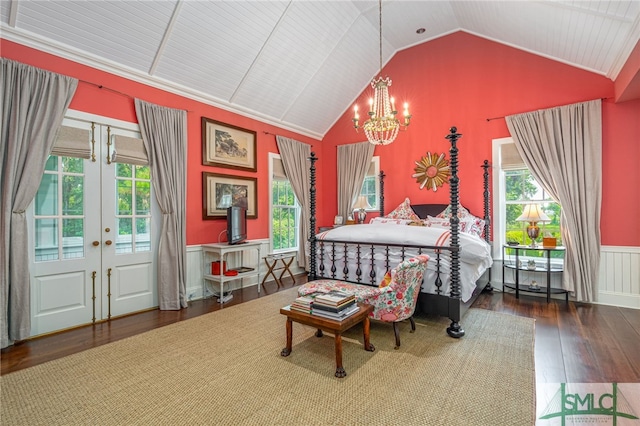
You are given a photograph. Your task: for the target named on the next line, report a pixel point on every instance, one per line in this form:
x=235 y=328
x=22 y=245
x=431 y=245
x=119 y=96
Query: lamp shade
x=361 y=203
x=533 y=213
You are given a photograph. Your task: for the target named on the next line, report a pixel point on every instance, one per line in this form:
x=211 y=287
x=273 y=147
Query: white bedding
x=475 y=253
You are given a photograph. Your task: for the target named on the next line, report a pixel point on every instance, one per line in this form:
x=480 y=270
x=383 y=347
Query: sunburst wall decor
x=432 y=171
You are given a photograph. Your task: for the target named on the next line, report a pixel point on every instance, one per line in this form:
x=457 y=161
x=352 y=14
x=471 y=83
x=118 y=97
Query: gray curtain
x=353 y=162
x=164 y=133
x=562 y=147
x=34 y=102
x=294 y=156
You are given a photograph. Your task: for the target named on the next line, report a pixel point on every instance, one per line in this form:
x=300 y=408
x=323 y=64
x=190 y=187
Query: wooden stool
x=272 y=263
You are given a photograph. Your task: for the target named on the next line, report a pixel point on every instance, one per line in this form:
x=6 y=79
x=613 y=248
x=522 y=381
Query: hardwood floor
x=574 y=343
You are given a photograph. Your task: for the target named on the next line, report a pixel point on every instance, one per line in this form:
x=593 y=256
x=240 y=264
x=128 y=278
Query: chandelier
x=382 y=126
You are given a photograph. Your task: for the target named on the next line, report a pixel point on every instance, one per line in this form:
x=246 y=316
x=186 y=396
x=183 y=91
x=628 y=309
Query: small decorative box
x=215 y=267
x=548 y=242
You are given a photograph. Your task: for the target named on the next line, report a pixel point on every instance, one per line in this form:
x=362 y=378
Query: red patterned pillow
x=404 y=211
x=470 y=224
x=474 y=225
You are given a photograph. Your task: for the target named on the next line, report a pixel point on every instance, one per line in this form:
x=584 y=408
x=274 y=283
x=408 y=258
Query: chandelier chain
x=380 y=25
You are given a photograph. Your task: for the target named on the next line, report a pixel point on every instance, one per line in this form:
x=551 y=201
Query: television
x=236 y=224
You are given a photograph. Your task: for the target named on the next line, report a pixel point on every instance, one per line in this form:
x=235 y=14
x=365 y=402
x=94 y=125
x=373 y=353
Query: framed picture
x=224 y=145
x=221 y=191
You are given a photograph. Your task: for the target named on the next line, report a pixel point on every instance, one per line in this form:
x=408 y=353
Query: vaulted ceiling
x=299 y=64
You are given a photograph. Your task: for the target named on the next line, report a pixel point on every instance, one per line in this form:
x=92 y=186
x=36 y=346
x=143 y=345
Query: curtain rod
x=269 y=133
x=100 y=86
x=497 y=118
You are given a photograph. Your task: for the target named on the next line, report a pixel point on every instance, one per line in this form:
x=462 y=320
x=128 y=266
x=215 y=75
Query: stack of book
x=302 y=304
x=335 y=305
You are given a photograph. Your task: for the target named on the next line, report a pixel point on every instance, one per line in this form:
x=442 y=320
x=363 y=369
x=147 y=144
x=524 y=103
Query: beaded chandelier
x=382 y=126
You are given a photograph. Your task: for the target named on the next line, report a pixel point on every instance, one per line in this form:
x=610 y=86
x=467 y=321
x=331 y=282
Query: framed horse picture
x=224 y=145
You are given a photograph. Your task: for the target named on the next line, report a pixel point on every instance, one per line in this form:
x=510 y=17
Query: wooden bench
x=330 y=326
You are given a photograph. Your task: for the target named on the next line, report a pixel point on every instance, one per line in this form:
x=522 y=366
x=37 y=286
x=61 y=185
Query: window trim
x=274 y=156
x=376 y=168
x=499 y=197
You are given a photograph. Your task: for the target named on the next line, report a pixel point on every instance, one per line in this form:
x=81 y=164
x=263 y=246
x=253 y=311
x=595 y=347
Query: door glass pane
x=143 y=198
x=72 y=238
x=143 y=172
x=124 y=243
x=72 y=195
x=124 y=198
x=46 y=239
x=72 y=165
x=123 y=170
x=46 y=201
x=143 y=234
x=51 y=164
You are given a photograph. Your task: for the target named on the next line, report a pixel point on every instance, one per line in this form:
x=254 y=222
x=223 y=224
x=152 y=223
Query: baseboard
x=619 y=300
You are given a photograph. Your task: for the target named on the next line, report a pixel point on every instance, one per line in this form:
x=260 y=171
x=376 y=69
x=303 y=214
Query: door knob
x=108 y=242
x=96 y=243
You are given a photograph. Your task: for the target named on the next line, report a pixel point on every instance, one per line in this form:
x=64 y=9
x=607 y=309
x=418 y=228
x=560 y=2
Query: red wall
x=462 y=80
x=458 y=80
x=91 y=99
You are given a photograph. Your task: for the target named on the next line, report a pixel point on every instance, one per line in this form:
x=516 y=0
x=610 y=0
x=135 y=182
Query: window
x=371 y=184
x=515 y=187
x=521 y=189
x=285 y=209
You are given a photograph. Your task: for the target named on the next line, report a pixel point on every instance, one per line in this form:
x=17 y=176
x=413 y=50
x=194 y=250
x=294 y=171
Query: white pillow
x=389 y=221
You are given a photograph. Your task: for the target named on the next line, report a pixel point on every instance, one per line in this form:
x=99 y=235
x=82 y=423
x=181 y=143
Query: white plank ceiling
x=299 y=64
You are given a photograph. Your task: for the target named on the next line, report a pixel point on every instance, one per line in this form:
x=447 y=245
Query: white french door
x=93 y=234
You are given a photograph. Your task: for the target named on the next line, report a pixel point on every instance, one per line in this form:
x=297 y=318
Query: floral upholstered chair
x=393 y=301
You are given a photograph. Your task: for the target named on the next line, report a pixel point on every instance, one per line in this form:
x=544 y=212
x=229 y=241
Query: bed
x=460 y=262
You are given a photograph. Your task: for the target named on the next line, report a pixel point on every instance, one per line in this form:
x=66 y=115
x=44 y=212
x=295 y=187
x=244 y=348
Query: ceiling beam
x=165 y=38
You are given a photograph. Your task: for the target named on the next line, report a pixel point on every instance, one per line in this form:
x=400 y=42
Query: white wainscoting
x=195 y=270
x=619 y=280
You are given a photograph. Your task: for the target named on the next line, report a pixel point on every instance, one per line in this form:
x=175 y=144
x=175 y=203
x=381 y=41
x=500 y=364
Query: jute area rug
x=225 y=368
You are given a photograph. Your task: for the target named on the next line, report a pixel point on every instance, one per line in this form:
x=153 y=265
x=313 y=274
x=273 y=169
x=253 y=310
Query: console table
x=218 y=252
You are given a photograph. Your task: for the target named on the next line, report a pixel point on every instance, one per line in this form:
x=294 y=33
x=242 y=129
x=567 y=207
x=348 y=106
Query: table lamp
x=359 y=208
x=533 y=214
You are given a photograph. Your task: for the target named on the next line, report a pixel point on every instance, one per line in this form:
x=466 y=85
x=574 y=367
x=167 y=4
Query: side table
x=285 y=260
x=547 y=268
x=219 y=252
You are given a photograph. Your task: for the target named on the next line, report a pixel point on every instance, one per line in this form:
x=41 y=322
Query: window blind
x=72 y=142
x=130 y=150
x=278 y=170
x=510 y=157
